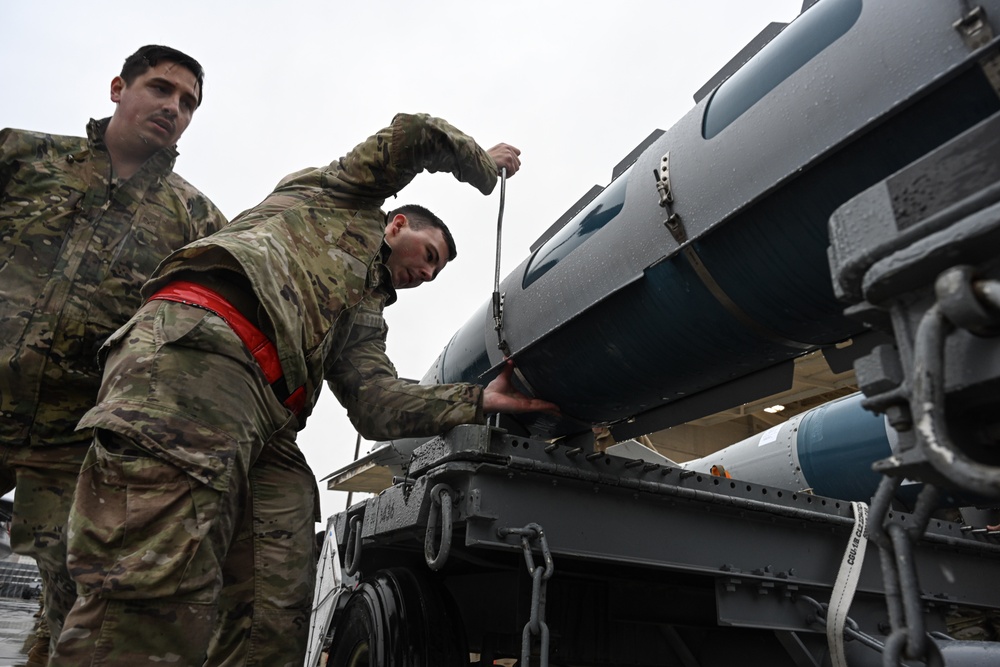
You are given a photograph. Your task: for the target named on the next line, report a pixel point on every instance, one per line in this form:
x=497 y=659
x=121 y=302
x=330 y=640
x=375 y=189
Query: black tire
x=397 y=618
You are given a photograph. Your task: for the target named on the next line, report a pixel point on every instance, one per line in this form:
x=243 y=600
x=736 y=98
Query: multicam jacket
x=75 y=249
x=312 y=252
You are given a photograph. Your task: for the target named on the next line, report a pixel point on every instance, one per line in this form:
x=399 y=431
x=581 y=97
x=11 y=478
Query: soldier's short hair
x=421 y=218
x=151 y=55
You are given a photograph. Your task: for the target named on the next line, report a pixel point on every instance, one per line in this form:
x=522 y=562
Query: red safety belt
x=260 y=346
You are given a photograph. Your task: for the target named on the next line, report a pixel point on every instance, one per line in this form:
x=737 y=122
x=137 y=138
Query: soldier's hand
x=506 y=156
x=501 y=395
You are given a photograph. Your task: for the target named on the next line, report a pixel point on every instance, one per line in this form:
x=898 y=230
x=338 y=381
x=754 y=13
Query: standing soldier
x=83 y=222
x=194 y=476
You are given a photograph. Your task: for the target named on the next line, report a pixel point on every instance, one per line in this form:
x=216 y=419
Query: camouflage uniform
x=190 y=431
x=76 y=248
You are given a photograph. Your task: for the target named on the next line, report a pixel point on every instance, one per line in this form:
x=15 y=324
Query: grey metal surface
x=914 y=250
x=329 y=588
x=942 y=203
x=661 y=317
x=772 y=145
x=610 y=510
x=652 y=546
x=701 y=561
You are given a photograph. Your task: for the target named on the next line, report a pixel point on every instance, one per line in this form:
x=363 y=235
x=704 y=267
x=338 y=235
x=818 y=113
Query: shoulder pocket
x=114 y=339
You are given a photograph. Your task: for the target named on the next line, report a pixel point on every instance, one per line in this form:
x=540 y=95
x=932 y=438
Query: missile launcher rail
x=643 y=563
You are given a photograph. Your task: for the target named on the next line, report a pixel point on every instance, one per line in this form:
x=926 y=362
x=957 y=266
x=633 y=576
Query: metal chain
x=851 y=628
x=962 y=302
x=536 y=626
x=908 y=635
x=891 y=650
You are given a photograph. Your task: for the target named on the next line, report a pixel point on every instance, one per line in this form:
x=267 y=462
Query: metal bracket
x=965 y=300
x=441 y=497
x=352 y=550
x=977 y=33
x=675 y=226
x=498 y=299
x=673 y=222
x=662 y=177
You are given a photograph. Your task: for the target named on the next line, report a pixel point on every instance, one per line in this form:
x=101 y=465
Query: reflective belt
x=260 y=346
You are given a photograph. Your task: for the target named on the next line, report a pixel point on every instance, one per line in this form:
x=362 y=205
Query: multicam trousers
x=191 y=532
x=45 y=478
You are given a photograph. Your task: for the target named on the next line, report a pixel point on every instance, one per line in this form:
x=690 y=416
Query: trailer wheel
x=399 y=618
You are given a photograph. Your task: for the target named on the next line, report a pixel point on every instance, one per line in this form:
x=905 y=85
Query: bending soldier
x=207 y=386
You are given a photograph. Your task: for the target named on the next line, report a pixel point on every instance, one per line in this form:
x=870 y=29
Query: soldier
x=194 y=477
x=84 y=222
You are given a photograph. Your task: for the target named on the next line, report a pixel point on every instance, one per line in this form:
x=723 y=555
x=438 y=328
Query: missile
x=827 y=451
x=689 y=283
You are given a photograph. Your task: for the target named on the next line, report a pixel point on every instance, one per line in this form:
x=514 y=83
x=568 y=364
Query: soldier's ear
x=117 y=86
x=396 y=224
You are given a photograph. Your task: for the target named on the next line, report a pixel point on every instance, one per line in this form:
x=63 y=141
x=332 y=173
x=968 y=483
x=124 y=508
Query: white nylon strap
x=845 y=585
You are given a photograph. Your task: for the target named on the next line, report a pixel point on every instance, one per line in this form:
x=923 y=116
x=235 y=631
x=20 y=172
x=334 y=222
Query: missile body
x=633 y=306
x=828 y=450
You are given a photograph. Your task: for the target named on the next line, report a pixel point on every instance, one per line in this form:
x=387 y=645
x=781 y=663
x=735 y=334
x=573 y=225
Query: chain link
x=908 y=637
x=851 y=628
x=962 y=302
x=540 y=574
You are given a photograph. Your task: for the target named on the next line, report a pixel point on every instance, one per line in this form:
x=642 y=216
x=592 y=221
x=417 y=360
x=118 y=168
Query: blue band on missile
x=837 y=444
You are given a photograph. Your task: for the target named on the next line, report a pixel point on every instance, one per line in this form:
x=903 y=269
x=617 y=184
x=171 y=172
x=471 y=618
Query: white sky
x=574 y=85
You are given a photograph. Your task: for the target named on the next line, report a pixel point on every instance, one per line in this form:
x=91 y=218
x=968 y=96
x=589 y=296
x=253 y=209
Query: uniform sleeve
x=216 y=221
x=387 y=161
x=203 y=217
x=8 y=159
x=206 y=219
x=379 y=404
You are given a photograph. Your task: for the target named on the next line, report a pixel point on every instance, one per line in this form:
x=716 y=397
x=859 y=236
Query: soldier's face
x=157 y=106
x=418 y=255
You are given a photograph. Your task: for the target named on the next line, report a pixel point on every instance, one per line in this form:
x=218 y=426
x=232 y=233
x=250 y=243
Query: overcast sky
x=574 y=85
